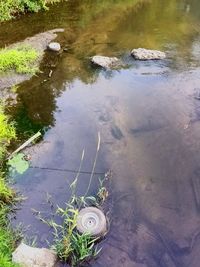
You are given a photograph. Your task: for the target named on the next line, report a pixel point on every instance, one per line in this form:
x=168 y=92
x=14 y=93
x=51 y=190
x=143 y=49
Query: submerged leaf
x=18 y=163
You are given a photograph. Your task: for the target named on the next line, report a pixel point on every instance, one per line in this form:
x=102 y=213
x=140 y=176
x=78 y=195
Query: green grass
x=7 y=236
x=7 y=133
x=20 y=60
x=7 y=239
x=10 y=8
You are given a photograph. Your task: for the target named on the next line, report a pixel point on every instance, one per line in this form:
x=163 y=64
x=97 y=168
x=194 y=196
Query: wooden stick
x=30 y=140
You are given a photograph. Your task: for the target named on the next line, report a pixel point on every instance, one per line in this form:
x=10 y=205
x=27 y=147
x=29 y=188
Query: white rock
x=146 y=54
x=54 y=46
x=34 y=257
x=105 y=62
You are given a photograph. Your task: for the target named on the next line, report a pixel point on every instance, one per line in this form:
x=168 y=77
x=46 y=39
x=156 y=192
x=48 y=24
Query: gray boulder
x=34 y=257
x=54 y=46
x=105 y=62
x=146 y=54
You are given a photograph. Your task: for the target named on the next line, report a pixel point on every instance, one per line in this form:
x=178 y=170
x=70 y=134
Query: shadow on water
x=147 y=116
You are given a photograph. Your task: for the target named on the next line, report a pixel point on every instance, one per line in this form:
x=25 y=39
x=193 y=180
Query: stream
x=146 y=113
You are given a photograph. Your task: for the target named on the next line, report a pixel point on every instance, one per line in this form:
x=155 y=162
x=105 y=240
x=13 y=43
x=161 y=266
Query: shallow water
x=147 y=116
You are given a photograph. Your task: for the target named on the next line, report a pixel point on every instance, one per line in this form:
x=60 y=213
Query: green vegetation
x=70 y=245
x=7 y=237
x=10 y=8
x=20 y=59
x=7 y=133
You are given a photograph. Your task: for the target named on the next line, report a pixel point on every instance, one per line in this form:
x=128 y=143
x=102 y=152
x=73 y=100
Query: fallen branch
x=24 y=145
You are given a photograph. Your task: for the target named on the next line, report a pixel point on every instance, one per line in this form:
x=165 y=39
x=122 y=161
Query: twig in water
x=94 y=164
x=30 y=140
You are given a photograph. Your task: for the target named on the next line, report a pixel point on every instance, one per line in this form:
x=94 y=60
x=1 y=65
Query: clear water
x=147 y=116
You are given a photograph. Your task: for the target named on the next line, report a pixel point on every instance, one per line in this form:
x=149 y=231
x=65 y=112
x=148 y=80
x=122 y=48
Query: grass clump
x=7 y=133
x=20 y=60
x=7 y=237
x=71 y=246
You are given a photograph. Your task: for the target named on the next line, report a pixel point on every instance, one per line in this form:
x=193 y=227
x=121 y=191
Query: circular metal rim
x=92 y=214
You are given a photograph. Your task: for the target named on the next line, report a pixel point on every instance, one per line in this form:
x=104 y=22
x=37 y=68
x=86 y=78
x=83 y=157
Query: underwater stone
x=105 y=62
x=146 y=54
x=28 y=256
x=92 y=220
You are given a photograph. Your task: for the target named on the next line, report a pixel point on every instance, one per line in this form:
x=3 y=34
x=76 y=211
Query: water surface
x=147 y=116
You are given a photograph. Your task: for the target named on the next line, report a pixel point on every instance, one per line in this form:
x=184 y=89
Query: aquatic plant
x=70 y=245
x=18 y=164
x=20 y=60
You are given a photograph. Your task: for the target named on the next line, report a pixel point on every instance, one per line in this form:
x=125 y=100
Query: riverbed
x=146 y=113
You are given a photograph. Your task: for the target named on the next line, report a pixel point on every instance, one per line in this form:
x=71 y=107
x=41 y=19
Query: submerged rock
x=105 y=62
x=34 y=257
x=146 y=54
x=92 y=220
x=54 y=46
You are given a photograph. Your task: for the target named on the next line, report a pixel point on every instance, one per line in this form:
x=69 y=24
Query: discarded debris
x=92 y=220
x=50 y=73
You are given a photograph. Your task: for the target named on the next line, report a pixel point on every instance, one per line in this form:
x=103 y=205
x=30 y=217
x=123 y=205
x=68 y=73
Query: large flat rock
x=28 y=256
x=147 y=54
x=105 y=62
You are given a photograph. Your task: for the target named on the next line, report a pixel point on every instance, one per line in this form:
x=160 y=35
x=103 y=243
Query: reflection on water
x=147 y=116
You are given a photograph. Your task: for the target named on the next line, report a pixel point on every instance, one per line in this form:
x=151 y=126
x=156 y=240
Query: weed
x=20 y=60
x=70 y=245
x=6 y=193
x=8 y=239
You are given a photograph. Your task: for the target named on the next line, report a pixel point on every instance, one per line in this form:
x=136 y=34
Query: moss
x=19 y=59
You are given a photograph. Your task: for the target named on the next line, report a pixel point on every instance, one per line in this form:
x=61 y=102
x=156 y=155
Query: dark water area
x=147 y=115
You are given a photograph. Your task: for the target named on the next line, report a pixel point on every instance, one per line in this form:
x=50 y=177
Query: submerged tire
x=92 y=220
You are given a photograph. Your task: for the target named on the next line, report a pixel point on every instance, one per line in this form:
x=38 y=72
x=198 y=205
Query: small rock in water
x=34 y=257
x=105 y=62
x=54 y=46
x=197 y=93
x=146 y=54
